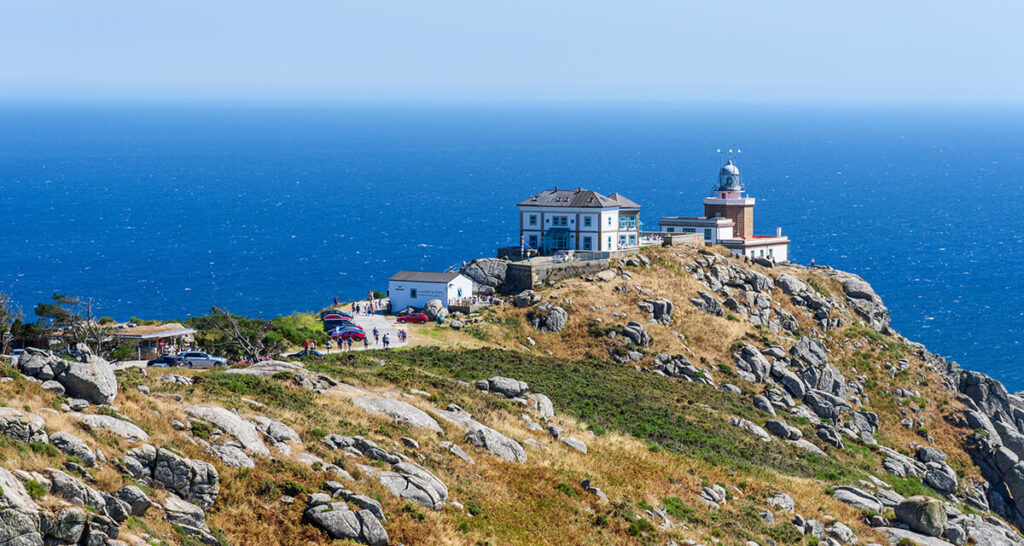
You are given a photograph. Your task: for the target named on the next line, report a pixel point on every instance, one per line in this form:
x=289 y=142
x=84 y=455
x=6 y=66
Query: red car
x=415 y=318
x=349 y=333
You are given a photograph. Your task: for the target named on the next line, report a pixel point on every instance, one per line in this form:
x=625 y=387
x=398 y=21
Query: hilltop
x=680 y=396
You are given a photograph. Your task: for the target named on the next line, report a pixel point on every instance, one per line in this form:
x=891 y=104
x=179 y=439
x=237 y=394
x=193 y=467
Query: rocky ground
x=679 y=397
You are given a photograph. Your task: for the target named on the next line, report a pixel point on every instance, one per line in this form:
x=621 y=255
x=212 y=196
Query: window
x=533 y=219
x=622 y=222
x=533 y=241
x=632 y=240
x=771 y=252
x=609 y=223
x=412 y=293
x=622 y=241
x=670 y=229
x=632 y=221
x=586 y=221
x=689 y=230
x=588 y=244
x=609 y=245
x=460 y=292
x=707 y=234
x=559 y=220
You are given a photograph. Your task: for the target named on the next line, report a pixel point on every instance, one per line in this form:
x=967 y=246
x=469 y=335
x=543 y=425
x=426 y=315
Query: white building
x=729 y=221
x=578 y=219
x=416 y=288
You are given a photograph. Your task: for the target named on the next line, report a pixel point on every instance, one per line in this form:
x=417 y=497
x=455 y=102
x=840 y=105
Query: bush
x=640 y=526
x=263 y=390
x=44 y=449
x=567 y=489
x=473 y=508
x=35 y=489
x=201 y=429
x=318 y=433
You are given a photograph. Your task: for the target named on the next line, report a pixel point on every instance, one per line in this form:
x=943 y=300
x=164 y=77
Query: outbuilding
x=416 y=288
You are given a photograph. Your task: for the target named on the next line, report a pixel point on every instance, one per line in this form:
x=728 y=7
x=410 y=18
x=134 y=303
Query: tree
x=73 y=319
x=238 y=337
x=10 y=314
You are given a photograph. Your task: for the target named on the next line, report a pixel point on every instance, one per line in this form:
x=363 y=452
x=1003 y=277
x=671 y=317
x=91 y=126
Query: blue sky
x=749 y=51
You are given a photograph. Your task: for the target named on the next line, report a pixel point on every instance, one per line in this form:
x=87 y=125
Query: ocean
x=162 y=211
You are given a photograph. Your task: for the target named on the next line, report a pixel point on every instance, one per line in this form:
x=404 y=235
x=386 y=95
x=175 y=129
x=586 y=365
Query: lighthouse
x=729 y=201
x=729 y=221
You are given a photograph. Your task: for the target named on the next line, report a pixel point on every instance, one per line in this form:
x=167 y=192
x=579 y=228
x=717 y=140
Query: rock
x=930 y=455
x=923 y=514
x=708 y=304
x=751 y=428
x=91 y=379
x=21 y=426
x=399 y=411
x=54 y=386
x=124 y=429
x=857 y=498
x=830 y=436
x=574 y=443
x=895 y=534
x=548 y=318
x=433 y=308
x=790 y=285
x=174 y=378
x=605 y=276
x=232 y=456
x=525 y=298
x=489 y=272
x=507 y=387
x=135 y=498
x=458 y=452
x=411 y=488
x=842 y=533
x=659 y=309
x=637 y=333
x=941 y=477
x=244 y=431
x=762 y=403
x=73 y=446
x=782 y=430
x=339 y=522
x=585 y=484
x=410 y=443
x=810 y=351
x=495 y=443
x=541 y=404
x=197 y=481
x=781 y=501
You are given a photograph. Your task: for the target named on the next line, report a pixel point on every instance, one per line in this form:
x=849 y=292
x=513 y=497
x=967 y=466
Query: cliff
x=678 y=397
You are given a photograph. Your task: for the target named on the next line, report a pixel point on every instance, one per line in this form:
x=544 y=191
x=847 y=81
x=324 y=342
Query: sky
x=451 y=51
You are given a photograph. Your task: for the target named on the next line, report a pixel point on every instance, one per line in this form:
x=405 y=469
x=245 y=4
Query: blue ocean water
x=164 y=211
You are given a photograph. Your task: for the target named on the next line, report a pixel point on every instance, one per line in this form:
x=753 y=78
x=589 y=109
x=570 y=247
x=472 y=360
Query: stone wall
x=524 y=276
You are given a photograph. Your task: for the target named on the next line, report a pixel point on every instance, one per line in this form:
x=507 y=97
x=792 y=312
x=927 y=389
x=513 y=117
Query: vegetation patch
x=262 y=390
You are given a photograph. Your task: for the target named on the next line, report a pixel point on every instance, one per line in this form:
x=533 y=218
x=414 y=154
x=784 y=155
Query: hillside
x=680 y=397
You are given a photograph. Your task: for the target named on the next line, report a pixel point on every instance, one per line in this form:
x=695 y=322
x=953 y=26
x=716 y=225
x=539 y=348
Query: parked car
x=251 y=361
x=199 y=359
x=414 y=318
x=337 y=323
x=167 y=361
x=16 y=353
x=324 y=315
x=354 y=334
x=306 y=352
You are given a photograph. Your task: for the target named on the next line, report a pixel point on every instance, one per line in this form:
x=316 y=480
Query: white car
x=199 y=359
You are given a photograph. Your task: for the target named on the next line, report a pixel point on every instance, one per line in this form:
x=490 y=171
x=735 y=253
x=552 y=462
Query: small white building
x=578 y=219
x=416 y=288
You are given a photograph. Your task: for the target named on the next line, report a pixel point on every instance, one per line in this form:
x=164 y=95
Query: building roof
x=172 y=329
x=578 y=198
x=697 y=220
x=424 y=276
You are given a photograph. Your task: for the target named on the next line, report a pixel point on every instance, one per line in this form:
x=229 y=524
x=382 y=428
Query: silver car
x=199 y=359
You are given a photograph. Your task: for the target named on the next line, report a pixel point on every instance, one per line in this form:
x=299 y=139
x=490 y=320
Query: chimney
x=778 y=232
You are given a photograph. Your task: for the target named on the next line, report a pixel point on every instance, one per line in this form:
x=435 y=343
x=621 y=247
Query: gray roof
x=578 y=198
x=424 y=276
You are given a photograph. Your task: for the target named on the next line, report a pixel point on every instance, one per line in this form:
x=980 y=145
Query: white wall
x=400 y=292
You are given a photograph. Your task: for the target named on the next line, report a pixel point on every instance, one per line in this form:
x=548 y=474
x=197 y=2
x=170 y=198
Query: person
x=374 y=331
x=305 y=345
x=328 y=344
x=812 y=262
x=386 y=341
x=366 y=343
x=349 y=343
x=335 y=301
x=376 y=337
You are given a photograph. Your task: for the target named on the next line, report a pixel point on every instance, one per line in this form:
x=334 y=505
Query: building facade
x=579 y=219
x=416 y=288
x=729 y=221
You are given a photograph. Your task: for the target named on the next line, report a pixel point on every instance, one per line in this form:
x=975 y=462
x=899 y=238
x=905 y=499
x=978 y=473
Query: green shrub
x=463 y=526
x=268 y=392
x=202 y=429
x=640 y=526
x=318 y=433
x=473 y=508
x=600 y=520
x=35 y=489
x=44 y=449
x=567 y=489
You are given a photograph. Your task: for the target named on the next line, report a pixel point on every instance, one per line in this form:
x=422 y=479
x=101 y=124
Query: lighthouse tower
x=728 y=201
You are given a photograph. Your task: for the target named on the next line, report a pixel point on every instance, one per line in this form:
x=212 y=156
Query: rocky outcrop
x=23 y=427
x=244 y=431
x=434 y=308
x=923 y=514
x=125 y=429
x=548 y=317
x=399 y=411
x=660 y=310
x=708 y=304
x=488 y=275
x=90 y=377
x=194 y=480
x=73 y=446
x=340 y=522
x=637 y=334
x=505 y=386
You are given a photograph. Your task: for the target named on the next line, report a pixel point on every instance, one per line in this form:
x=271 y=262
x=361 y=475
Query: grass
x=266 y=391
x=667 y=413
